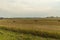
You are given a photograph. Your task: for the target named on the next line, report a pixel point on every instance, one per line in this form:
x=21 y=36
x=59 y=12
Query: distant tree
x=52 y=17
x=1 y=18
x=57 y=17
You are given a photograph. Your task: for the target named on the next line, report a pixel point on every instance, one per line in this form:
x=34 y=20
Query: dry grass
x=40 y=27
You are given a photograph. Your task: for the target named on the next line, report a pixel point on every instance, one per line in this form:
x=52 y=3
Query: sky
x=29 y=8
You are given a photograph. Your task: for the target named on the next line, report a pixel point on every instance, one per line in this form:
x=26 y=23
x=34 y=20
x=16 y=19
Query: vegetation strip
x=35 y=33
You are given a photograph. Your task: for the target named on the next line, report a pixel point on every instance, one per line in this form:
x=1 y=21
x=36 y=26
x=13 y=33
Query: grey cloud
x=11 y=8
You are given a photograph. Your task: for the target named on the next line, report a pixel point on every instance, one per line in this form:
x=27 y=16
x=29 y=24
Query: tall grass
x=47 y=34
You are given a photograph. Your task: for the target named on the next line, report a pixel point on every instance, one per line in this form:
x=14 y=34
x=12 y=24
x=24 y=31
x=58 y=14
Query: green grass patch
x=44 y=34
x=9 y=35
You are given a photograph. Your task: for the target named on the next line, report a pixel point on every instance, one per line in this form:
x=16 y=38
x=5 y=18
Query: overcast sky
x=29 y=8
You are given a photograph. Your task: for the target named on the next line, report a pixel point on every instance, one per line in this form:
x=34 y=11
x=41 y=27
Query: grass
x=46 y=34
x=32 y=29
x=10 y=35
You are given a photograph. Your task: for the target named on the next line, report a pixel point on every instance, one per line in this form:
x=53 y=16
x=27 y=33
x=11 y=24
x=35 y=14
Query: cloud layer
x=29 y=8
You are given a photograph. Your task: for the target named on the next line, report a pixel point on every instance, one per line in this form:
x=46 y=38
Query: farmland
x=30 y=29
